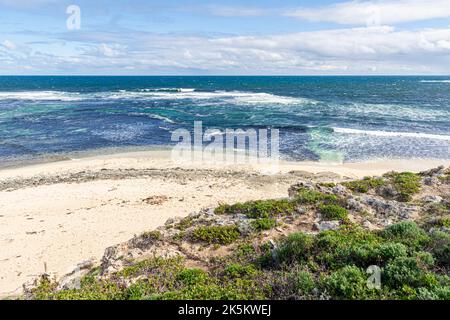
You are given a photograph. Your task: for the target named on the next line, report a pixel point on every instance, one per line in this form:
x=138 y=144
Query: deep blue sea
x=320 y=118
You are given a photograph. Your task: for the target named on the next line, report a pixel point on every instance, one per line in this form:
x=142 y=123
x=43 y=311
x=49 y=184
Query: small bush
x=439 y=246
x=259 y=209
x=364 y=185
x=236 y=270
x=333 y=212
x=348 y=245
x=407 y=233
x=152 y=235
x=406 y=184
x=308 y=196
x=404 y=271
x=327 y=184
x=304 y=283
x=295 y=248
x=185 y=223
x=264 y=223
x=192 y=276
x=216 y=234
x=151 y=266
x=389 y=251
x=347 y=283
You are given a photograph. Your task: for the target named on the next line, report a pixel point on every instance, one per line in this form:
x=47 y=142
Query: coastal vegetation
x=375 y=238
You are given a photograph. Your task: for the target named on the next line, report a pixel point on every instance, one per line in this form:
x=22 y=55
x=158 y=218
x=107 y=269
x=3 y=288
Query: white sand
x=61 y=224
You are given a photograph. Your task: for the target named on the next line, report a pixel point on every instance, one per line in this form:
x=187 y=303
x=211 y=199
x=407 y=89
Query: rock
x=339 y=190
x=386 y=222
x=170 y=221
x=387 y=191
x=245 y=227
x=300 y=209
x=434 y=172
x=390 y=207
x=240 y=217
x=193 y=215
x=274 y=250
x=73 y=278
x=404 y=215
x=354 y=204
x=432 y=199
x=327 y=225
x=445 y=229
x=431 y=181
x=367 y=224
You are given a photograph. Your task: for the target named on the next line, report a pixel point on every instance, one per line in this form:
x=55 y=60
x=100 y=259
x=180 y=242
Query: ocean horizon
x=320 y=118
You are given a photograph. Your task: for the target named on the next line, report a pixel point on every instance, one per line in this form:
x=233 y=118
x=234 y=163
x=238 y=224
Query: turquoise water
x=320 y=118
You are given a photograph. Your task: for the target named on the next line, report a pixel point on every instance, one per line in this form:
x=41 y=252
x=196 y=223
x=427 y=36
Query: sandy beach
x=55 y=215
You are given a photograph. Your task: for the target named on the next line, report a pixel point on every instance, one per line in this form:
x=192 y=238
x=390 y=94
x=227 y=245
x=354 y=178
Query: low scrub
x=329 y=265
x=216 y=234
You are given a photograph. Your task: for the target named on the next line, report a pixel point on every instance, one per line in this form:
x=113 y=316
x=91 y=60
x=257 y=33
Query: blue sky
x=150 y=37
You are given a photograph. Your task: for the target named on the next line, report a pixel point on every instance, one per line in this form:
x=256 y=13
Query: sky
x=247 y=37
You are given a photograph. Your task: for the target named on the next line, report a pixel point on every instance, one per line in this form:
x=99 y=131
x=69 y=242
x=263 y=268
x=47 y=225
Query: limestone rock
x=327 y=225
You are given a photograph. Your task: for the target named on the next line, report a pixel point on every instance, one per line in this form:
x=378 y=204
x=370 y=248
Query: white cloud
x=376 y=50
x=109 y=50
x=235 y=11
x=9 y=45
x=376 y=12
x=27 y=3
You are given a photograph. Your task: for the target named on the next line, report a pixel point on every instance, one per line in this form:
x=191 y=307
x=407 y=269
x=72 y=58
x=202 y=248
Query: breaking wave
x=392 y=134
x=233 y=97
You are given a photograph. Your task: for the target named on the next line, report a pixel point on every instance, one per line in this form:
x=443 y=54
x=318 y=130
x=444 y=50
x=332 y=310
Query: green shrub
x=308 y=196
x=327 y=184
x=444 y=222
x=236 y=270
x=295 y=248
x=408 y=233
x=245 y=250
x=264 y=223
x=364 y=185
x=259 y=209
x=348 y=245
x=333 y=212
x=406 y=184
x=44 y=289
x=440 y=248
x=389 y=251
x=402 y=271
x=192 y=276
x=152 y=235
x=93 y=290
x=304 y=283
x=216 y=234
x=349 y=282
x=238 y=289
x=185 y=223
x=155 y=265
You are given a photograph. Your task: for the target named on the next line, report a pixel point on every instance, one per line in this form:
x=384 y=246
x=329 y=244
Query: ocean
x=344 y=119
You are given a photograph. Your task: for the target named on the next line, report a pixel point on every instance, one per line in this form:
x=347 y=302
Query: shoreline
x=161 y=157
x=54 y=215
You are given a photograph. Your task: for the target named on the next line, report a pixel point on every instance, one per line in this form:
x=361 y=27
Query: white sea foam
x=435 y=81
x=167 y=90
x=158 y=117
x=40 y=96
x=416 y=113
x=232 y=97
x=392 y=134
